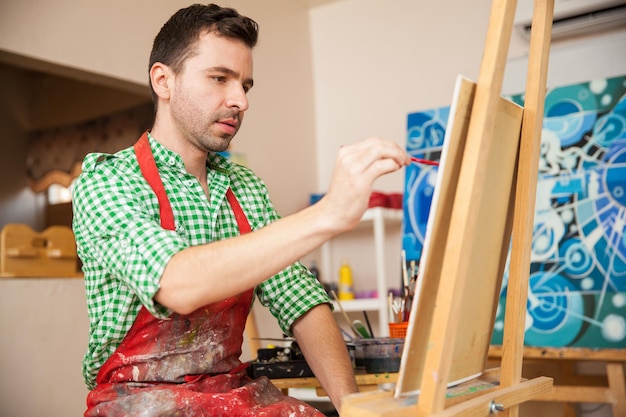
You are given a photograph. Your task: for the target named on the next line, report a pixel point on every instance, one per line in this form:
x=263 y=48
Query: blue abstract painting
x=577 y=287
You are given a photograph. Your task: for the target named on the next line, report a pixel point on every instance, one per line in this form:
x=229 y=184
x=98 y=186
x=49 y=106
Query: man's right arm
x=187 y=284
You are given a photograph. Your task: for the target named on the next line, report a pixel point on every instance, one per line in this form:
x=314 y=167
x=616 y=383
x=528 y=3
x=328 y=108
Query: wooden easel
x=485 y=192
x=570 y=387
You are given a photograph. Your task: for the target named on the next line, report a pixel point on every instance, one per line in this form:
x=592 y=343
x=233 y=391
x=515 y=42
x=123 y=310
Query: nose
x=237 y=99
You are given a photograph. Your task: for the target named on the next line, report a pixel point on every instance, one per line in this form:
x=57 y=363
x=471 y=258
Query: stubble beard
x=201 y=128
x=207 y=136
x=216 y=142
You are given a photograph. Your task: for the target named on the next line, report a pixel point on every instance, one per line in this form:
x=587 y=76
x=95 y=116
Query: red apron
x=186 y=365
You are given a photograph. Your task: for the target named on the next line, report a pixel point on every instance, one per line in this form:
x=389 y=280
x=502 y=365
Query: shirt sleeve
x=293 y=291
x=116 y=228
x=290 y=294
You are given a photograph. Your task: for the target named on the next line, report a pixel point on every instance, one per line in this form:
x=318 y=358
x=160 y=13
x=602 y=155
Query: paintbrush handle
x=345 y=315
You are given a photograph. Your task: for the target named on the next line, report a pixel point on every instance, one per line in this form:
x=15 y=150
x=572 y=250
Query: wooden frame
x=365 y=382
x=570 y=387
x=441 y=348
x=462 y=267
x=26 y=253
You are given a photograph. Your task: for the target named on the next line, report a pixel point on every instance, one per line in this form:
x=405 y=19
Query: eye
x=219 y=78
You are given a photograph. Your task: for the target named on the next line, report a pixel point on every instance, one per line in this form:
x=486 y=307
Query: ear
x=161 y=77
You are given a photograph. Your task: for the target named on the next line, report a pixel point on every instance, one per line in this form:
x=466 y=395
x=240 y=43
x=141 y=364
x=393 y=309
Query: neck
x=193 y=158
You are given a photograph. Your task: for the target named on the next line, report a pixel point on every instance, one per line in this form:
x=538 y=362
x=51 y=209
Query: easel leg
x=570 y=410
x=617 y=385
x=567 y=371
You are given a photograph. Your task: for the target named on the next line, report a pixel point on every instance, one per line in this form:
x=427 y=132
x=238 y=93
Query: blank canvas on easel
x=479 y=257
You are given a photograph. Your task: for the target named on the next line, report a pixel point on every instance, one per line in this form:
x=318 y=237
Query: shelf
x=359 y=304
x=382 y=212
x=24 y=277
x=376 y=219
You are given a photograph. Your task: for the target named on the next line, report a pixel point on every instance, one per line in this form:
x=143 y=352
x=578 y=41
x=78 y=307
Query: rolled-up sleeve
x=116 y=230
x=290 y=294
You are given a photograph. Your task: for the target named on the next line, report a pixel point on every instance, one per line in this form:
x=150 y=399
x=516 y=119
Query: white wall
x=375 y=61
x=44 y=337
x=573 y=62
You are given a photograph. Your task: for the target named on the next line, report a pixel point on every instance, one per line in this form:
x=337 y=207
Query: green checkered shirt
x=124 y=249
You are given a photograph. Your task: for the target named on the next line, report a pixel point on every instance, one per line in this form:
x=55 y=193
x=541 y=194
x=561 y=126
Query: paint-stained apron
x=187 y=365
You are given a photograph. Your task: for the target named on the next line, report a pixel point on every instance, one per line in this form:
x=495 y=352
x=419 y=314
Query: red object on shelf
x=391 y=200
x=394 y=200
x=377 y=199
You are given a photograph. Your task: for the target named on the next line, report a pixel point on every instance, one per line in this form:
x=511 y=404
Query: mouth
x=229 y=126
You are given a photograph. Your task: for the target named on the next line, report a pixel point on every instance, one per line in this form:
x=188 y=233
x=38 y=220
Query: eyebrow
x=248 y=82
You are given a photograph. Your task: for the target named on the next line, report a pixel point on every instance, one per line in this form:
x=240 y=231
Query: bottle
x=346 y=291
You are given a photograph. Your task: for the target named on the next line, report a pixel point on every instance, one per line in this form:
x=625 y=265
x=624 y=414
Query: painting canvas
x=577 y=288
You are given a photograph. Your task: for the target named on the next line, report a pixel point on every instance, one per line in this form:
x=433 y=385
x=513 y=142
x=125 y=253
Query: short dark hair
x=176 y=39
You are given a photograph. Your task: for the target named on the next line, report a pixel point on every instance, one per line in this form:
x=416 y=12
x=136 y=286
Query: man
x=168 y=232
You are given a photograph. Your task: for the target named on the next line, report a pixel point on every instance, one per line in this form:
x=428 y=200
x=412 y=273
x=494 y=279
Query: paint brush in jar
x=345 y=315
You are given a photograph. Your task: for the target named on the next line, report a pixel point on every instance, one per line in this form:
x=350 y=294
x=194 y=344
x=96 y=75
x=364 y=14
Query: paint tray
x=284 y=369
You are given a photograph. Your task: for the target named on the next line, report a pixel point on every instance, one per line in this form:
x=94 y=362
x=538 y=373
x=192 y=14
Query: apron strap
x=240 y=216
x=151 y=174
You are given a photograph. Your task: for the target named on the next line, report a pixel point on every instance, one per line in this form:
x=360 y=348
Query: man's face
x=209 y=99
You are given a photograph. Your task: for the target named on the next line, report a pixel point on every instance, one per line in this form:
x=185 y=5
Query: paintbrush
x=405 y=278
x=424 y=161
x=367 y=320
x=360 y=327
x=345 y=315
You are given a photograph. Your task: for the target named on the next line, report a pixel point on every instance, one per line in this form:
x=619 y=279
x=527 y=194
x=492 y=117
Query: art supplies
x=369 y=325
x=346 y=290
x=400 y=307
x=345 y=315
x=360 y=327
x=382 y=355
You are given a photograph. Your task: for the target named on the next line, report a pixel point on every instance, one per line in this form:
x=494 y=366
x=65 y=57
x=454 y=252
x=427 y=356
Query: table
x=365 y=382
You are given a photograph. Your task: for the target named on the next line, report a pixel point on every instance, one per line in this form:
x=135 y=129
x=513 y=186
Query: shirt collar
x=166 y=157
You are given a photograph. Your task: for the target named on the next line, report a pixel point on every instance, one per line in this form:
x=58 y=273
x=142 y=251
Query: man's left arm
x=320 y=340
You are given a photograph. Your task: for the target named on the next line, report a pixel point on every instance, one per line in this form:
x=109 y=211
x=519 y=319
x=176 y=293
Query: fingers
x=357 y=168
x=373 y=157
